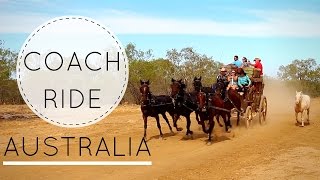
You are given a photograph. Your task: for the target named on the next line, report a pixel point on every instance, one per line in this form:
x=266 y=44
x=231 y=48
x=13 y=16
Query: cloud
x=286 y=23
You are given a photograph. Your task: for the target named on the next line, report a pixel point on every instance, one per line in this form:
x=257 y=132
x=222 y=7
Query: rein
x=152 y=102
x=175 y=99
x=233 y=105
x=221 y=109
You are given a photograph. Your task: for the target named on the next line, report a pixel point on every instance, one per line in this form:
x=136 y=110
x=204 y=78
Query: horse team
x=204 y=101
x=207 y=103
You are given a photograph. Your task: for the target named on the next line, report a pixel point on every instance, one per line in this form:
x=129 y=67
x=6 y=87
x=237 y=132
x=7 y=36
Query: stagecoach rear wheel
x=263 y=110
x=248 y=116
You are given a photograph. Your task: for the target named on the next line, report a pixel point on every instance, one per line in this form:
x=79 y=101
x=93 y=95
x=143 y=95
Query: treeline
x=180 y=64
x=9 y=92
x=304 y=75
x=183 y=64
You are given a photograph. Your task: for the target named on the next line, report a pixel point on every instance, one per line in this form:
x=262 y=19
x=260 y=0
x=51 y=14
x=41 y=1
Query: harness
x=152 y=102
x=235 y=107
x=223 y=109
x=184 y=101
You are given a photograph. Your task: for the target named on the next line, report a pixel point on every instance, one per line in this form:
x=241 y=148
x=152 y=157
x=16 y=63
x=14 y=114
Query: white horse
x=302 y=104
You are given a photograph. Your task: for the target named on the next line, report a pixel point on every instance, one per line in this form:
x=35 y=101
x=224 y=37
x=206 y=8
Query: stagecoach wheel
x=263 y=110
x=248 y=116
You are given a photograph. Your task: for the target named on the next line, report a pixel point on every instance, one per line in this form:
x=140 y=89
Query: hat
x=257 y=59
x=223 y=69
x=233 y=71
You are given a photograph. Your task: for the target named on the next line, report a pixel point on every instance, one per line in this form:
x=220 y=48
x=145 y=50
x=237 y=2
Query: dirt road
x=277 y=150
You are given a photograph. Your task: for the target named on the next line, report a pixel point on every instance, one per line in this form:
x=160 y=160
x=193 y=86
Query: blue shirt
x=238 y=63
x=245 y=80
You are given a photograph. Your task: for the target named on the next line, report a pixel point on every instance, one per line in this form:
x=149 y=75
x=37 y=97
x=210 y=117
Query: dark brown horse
x=206 y=113
x=153 y=106
x=184 y=104
x=197 y=85
x=231 y=101
x=212 y=106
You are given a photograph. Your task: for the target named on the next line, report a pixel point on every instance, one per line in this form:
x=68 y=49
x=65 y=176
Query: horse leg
x=218 y=120
x=188 y=125
x=145 y=126
x=167 y=121
x=197 y=117
x=226 y=124
x=211 y=122
x=308 y=112
x=238 y=118
x=202 y=119
x=302 y=119
x=159 y=126
x=297 y=118
x=229 y=120
x=224 y=119
x=175 y=119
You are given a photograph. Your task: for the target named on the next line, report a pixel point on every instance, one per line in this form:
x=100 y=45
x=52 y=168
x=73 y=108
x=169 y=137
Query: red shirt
x=259 y=66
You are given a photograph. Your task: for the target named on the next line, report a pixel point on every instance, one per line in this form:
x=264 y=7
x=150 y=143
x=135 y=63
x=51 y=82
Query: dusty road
x=277 y=150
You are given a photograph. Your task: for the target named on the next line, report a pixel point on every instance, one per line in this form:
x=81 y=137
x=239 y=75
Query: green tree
x=9 y=92
x=303 y=75
x=135 y=54
x=188 y=63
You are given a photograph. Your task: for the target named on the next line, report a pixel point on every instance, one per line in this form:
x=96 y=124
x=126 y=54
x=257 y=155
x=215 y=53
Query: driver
x=222 y=78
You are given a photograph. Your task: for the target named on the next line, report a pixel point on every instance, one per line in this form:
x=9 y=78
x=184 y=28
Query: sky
x=275 y=31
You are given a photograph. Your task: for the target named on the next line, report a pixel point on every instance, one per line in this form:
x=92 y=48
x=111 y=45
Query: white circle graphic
x=72 y=71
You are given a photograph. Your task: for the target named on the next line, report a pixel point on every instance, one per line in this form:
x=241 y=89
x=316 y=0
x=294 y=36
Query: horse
x=184 y=104
x=206 y=113
x=153 y=106
x=302 y=104
x=231 y=101
x=207 y=90
x=197 y=85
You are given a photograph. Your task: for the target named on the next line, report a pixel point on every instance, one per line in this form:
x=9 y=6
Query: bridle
x=198 y=86
x=205 y=99
x=180 y=92
x=146 y=98
x=179 y=98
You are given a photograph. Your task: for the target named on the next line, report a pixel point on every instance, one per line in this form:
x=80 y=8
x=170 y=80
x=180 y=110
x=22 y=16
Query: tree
x=139 y=68
x=9 y=92
x=135 y=54
x=188 y=63
x=303 y=75
x=8 y=61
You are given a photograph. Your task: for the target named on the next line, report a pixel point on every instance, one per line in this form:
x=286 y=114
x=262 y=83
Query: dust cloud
x=280 y=97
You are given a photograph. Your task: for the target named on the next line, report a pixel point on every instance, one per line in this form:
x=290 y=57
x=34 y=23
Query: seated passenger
x=236 y=61
x=232 y=79
x=245 y=63
x=243 y=81
x=258 y=65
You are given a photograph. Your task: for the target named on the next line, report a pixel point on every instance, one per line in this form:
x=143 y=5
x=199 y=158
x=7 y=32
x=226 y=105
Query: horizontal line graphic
x=77 y=163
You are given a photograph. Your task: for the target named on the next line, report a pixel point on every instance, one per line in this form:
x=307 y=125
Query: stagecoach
x=253 y=102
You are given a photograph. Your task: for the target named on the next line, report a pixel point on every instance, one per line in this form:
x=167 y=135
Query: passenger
x=258 y=65
x=236 y=61
x=245 y=63
x=243 y=81
x=232 y=79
